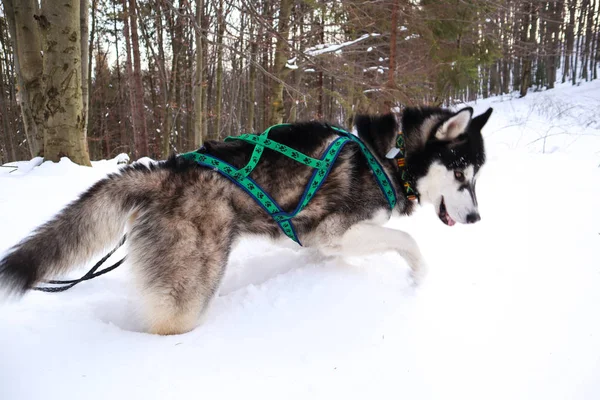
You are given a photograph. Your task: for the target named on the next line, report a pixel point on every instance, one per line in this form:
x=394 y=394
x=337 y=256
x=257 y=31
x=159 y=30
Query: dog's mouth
x=443 y=214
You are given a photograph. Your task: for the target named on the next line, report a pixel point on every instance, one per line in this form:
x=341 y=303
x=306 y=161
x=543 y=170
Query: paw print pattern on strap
x=322 y=168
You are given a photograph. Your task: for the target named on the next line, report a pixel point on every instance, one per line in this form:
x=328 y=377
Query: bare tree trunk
x=279 y=70
x=533 y=37
x=541 y=53
x=298 y=46
x=11 y=154
x=170 y=88
x=129 y=79
x=205 y=63
x=596 y=52
x=121 y=132
x=577 y=46
x=506 y=51
x=527 y=42
x=219 y=100
x=252 y=80
x=190 y=136
x=321 y=110
x=570 y=39
x=161 y=145
x=591 y=6
x=86 y=57
x=10 y=150
x=198 y=81
x=393 y=35
x=64 y=118
x=237 y=121
x=177 y=41
x=494 y=78
x=141 y=145
x=86 y=60
x=27 y=45
x=517 y=57
x=554 y=30
x=266 y=52
x=485 y=75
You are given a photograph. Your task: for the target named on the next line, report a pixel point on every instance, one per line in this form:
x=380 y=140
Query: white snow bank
x=508 y=311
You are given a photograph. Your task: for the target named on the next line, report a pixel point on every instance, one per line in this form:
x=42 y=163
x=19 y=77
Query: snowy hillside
x=509 y=309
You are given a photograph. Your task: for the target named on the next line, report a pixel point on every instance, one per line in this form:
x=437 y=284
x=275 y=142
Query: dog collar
x=398 y=153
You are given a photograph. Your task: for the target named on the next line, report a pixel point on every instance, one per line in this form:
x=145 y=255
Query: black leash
x=90 y=275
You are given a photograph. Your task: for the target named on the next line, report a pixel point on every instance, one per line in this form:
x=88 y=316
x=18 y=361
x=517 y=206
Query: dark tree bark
x=587 y=47
x=129 y=79
x=570 y=39
x=250 y=124
x=582 y=9
x=124 y=142
x=279 y=62
x=530 y=19
x=199 y=75
x=141 y=133
x=219 y=83
x=7 y=133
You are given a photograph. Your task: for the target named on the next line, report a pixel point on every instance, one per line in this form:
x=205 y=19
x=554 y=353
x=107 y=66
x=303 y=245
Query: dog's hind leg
x=179 y=266
x=366 y=238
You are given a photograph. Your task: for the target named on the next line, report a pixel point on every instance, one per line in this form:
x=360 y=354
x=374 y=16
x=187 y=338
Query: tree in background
x=164 y=75
x=48 y=54
x=27 y=58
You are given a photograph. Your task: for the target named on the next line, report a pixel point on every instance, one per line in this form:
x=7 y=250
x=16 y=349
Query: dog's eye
x=459 y=175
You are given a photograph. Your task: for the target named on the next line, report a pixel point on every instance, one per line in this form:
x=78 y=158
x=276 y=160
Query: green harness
x=322 y=167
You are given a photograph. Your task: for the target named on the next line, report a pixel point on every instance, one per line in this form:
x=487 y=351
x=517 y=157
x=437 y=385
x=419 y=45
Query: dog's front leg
x=365 y=238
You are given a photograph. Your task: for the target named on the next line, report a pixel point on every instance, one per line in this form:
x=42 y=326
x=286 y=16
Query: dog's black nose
x=472 y=218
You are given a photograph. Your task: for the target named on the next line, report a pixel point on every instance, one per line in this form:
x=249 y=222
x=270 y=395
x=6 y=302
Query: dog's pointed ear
x=455 y=125
x=378 y=132
x=479 y=121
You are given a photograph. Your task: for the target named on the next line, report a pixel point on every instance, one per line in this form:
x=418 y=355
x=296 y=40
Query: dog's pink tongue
x=451 y=222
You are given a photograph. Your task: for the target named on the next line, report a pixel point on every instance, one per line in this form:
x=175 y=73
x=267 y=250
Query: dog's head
x=444 y=153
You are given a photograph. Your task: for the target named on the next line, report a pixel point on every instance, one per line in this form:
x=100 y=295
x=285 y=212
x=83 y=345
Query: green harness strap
x=261 y=141
x=380 y=176
x=322 y=168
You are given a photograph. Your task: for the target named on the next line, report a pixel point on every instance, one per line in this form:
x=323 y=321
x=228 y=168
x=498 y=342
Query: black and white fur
x=445 y=153
x=184 y=219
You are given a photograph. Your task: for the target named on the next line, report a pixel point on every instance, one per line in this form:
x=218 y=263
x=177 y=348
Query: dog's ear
x=455 y=125
x=479 y=121
x=378 y=132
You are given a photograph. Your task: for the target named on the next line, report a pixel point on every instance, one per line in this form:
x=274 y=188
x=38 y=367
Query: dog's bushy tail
x=89 y=225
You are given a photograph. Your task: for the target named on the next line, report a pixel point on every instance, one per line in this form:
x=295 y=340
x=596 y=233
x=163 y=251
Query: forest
x=89 y=79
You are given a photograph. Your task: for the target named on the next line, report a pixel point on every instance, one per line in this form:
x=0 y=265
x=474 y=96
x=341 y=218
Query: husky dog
x=184 y=218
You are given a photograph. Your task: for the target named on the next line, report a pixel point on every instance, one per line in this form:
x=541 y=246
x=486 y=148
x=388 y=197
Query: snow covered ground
x=509 y=309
